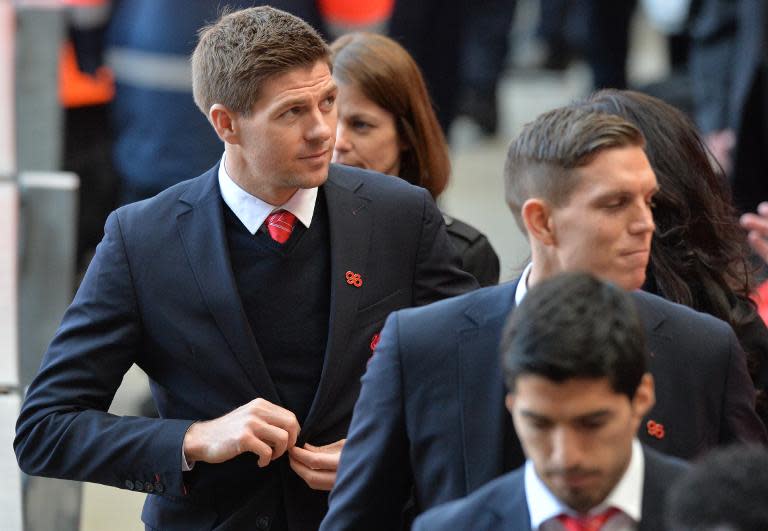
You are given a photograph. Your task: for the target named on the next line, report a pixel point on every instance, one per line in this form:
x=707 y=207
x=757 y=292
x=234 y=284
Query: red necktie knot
x=280 y=225
x=586 y=523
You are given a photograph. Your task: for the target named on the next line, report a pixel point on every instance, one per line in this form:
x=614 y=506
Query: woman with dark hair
x=387 y=124
x=699 y=255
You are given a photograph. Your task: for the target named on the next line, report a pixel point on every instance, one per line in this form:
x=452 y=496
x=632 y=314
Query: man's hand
x=757 y=225
x=720 y=143
x=317 y=465
x=259 y=426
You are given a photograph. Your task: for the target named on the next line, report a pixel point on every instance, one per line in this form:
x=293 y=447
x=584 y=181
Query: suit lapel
x=511 y=505
x=655 y=484
x=481 y=388
x=349 y=224
x=201 y=226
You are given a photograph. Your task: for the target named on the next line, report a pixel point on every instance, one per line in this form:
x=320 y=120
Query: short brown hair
x=388 y=76
x=238 y=53
x=541 y=160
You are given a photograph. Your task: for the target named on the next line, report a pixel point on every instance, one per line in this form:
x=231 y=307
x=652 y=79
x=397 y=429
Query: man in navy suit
x=574 y=361
x=430 y=423
x=252 y=296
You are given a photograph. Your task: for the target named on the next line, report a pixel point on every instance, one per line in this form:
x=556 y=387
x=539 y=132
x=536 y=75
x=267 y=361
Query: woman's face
x=366 y=135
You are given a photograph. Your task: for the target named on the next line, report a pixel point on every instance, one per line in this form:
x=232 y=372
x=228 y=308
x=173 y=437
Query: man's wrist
x=190 y=448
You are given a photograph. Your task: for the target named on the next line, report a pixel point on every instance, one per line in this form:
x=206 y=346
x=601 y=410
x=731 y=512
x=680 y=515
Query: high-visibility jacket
x=343 y=16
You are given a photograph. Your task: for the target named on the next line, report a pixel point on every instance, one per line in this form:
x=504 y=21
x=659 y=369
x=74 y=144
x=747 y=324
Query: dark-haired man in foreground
x=574 y=361
x=430 y=421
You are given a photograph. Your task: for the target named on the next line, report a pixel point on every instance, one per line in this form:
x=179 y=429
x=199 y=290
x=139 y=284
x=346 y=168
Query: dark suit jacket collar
x=508 y=502
x=481 y=386
x=201 y=226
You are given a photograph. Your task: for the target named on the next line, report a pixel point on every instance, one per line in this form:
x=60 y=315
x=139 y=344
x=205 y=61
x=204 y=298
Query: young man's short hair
x=726 y=490
x=239 y=52
x=542 y=159
x=575 y=326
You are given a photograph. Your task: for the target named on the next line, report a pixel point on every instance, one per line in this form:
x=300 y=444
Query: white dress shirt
x=627 y=496
x=252 y=211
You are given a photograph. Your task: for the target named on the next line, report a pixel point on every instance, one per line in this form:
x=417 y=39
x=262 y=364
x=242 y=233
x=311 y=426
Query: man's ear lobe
x=537 y=216
x=645 y=396
x=225 y=123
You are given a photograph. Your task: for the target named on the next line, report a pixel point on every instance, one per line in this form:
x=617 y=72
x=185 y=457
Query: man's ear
x=537 y=216
x=645 y=396
x=225 y=123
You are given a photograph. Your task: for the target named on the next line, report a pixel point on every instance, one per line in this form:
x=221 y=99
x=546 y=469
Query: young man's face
x=286 y=142
x=578 y=433
x=605 y=226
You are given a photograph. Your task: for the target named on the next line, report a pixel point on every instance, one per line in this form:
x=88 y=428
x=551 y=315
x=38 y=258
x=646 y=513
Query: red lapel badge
x=374 y=342
x=655 y=429
x=354 y=279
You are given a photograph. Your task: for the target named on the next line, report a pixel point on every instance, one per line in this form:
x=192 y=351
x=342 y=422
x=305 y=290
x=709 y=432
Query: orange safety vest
x=356 y=14
x=77 y=88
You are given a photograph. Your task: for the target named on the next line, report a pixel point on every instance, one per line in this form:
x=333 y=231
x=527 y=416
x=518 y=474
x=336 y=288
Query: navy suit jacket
x=430 y=420
x=160 y=293
x=501 y=504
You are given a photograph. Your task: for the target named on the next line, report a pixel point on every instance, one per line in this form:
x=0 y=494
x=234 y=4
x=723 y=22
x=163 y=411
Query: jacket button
x=129 y=484
x=262 y=522
x=159 y=488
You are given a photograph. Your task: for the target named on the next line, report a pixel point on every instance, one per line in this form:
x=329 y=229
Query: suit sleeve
x=741 y=422
x=438 y=274
x=374 y=477
x=64 y=430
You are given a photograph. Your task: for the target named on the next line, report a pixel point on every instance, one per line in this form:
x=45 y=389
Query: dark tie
x=587 y=523
x=280 y=225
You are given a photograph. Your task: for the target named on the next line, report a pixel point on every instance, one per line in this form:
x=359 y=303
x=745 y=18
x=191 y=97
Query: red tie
x=280 y=225
x=588 y=523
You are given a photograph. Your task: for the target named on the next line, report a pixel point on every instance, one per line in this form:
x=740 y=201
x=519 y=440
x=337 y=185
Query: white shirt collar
x=522 y=285
x=252 y=211
x=627 y=495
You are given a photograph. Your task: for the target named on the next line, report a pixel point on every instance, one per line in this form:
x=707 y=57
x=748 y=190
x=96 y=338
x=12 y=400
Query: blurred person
x=483 y=58
x=699 y=256
x=727 y=490
x=430 y=419
x=757 y=227
x=433 y=32
x=578 y=389
x=729 y=69
x=251 y=296
x=386 y=124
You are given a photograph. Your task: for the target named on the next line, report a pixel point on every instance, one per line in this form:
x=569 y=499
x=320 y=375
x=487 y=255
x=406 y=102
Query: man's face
x=606 y=225
x=286 y=142
x=578 y=433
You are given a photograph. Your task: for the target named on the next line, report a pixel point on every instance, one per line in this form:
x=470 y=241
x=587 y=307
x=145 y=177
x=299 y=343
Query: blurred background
x=96 y=111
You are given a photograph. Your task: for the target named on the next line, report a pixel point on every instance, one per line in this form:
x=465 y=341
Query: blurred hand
x=757 y=225
x=720 y=143
x=317 y=465
x=259 y=426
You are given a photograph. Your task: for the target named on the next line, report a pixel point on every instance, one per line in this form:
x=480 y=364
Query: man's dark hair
x=726 y=490
x=575 y=326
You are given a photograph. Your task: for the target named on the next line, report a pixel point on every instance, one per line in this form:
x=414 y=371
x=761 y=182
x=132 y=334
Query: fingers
x=316 y=479
x=277 y=416
x=757 y=225
x=315 y=460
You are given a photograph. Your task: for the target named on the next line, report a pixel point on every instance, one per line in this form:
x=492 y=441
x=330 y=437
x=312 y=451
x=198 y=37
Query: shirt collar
x=252 y=211
x=522 y=285
x=626 y=496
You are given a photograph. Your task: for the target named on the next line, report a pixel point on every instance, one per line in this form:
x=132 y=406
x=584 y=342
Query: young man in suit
x=430 y=421
x=574 y=361
x=252 y=296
